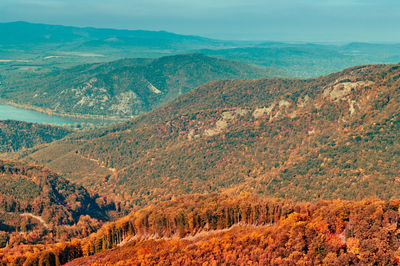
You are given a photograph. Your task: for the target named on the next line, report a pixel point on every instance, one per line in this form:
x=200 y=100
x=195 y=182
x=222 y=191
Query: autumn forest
x=143 y=147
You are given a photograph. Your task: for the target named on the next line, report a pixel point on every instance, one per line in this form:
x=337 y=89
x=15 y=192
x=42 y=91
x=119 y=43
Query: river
x=15 y=113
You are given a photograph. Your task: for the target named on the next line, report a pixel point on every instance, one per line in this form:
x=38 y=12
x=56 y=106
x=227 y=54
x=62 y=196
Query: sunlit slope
x=247 y=229
x=326 y=138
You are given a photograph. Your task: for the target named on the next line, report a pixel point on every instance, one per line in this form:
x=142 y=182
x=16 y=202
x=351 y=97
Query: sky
x=275 y=20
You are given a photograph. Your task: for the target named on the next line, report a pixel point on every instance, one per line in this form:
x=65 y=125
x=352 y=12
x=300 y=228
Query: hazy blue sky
x=286 y=20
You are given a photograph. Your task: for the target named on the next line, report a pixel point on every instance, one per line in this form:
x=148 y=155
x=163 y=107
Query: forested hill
x=332 y=137
x=245 y=229
x=125 y=87
x=16 y=135
x=38 y=206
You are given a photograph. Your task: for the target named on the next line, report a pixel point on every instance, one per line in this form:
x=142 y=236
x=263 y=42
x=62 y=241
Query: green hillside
x=123 y=88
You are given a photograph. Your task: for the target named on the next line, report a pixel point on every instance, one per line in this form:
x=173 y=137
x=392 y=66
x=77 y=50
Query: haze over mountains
x=311 y=60
x=41 y=36
x=49 y=46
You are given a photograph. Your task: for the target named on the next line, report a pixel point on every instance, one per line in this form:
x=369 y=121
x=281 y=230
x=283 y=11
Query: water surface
x=15 y=113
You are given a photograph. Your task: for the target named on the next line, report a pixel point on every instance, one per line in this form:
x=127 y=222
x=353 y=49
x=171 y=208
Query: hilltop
x=326 y=138
x=123 y=88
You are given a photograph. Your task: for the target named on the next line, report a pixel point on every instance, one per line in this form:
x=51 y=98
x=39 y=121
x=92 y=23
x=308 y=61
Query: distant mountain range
x=15 y=33
x=49 y=47
x=310 y=60
x=123 y=88
x=30 y=41
x=325 y=138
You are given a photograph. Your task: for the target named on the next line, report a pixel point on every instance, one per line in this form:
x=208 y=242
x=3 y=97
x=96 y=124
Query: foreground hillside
x=38 y=206
x=16 y=135
x=194 y=230
x=326 y=138
x=122 y=88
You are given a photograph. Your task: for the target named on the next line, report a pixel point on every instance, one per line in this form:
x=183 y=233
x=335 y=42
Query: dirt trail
x=40 y=219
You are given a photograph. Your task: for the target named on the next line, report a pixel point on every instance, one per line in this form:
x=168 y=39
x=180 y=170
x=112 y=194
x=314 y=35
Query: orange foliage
x=238 y=230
